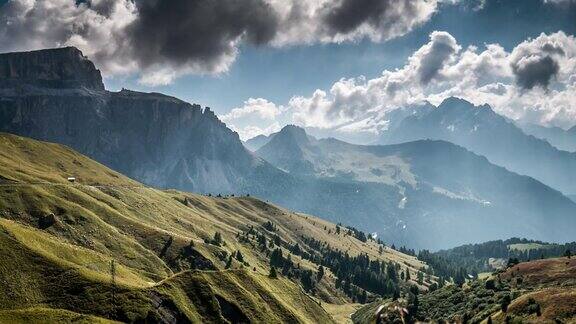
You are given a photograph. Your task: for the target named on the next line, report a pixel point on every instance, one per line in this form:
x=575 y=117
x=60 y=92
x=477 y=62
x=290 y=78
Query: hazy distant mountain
x=560 y=138
x=481 y=130
x=257 y=142
x=443 y=192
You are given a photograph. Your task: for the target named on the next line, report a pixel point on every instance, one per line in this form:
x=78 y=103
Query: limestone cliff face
x=57 y=95
x=61 y=68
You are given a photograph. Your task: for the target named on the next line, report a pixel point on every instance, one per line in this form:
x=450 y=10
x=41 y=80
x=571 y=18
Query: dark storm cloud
x=164 y=39
x=345 y=16
x=198 y=31
x=535 y=71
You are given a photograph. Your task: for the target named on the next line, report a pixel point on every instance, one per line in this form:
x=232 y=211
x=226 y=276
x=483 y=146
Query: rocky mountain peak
x=294 y=132
x=58 y=68
x=453 y=103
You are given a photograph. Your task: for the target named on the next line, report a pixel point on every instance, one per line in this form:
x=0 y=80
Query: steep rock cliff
x=57 y=95
x=61 y=68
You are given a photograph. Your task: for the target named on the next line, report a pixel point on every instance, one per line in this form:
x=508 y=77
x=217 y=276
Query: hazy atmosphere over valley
x=287 y=161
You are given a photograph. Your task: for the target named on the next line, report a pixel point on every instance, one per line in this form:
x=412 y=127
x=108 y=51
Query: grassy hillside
x=540 y=291
x=108 y=247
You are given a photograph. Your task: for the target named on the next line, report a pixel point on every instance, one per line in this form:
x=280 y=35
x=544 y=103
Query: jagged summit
x=450 y=101
x=460 y=107
x=485 y=132
x=295 y=133
x=59 y=68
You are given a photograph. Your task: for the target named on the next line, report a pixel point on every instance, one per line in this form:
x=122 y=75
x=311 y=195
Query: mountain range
x=254 y=143
x=481 y=130
x=562 y=139
x=432 y=186
x=426 y=194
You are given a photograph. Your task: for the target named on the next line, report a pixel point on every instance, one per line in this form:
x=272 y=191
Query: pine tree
x=229 y=263
x=217 y=239
x=276 y=258
x=441 y=282
x=505 y=302
x=420 y=276
x=273 y=273
x=413 y=304
x=306 y=280
x=460 y=277
x=239 y=256
x=465 y=318
x=296 y=249
x=363 y=297
x=320 y=273
x=270 y=226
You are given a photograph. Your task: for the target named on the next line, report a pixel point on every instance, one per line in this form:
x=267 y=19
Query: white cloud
x=351 y=100
x=442 y=68
x=261 y=107
x=257 y=116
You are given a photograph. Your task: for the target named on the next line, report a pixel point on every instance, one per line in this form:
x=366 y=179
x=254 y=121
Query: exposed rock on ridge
x=57 y=68
x=57 y=95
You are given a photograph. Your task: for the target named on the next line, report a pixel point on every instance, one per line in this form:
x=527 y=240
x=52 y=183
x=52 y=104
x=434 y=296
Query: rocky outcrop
x=57 y=95
x=62 y=68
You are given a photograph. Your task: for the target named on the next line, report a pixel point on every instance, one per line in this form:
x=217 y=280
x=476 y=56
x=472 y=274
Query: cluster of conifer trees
x=467 y=261
x=357 y=276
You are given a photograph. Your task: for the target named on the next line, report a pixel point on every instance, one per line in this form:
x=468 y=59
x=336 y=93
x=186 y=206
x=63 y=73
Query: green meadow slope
x=108 y=248
x=538 y=291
